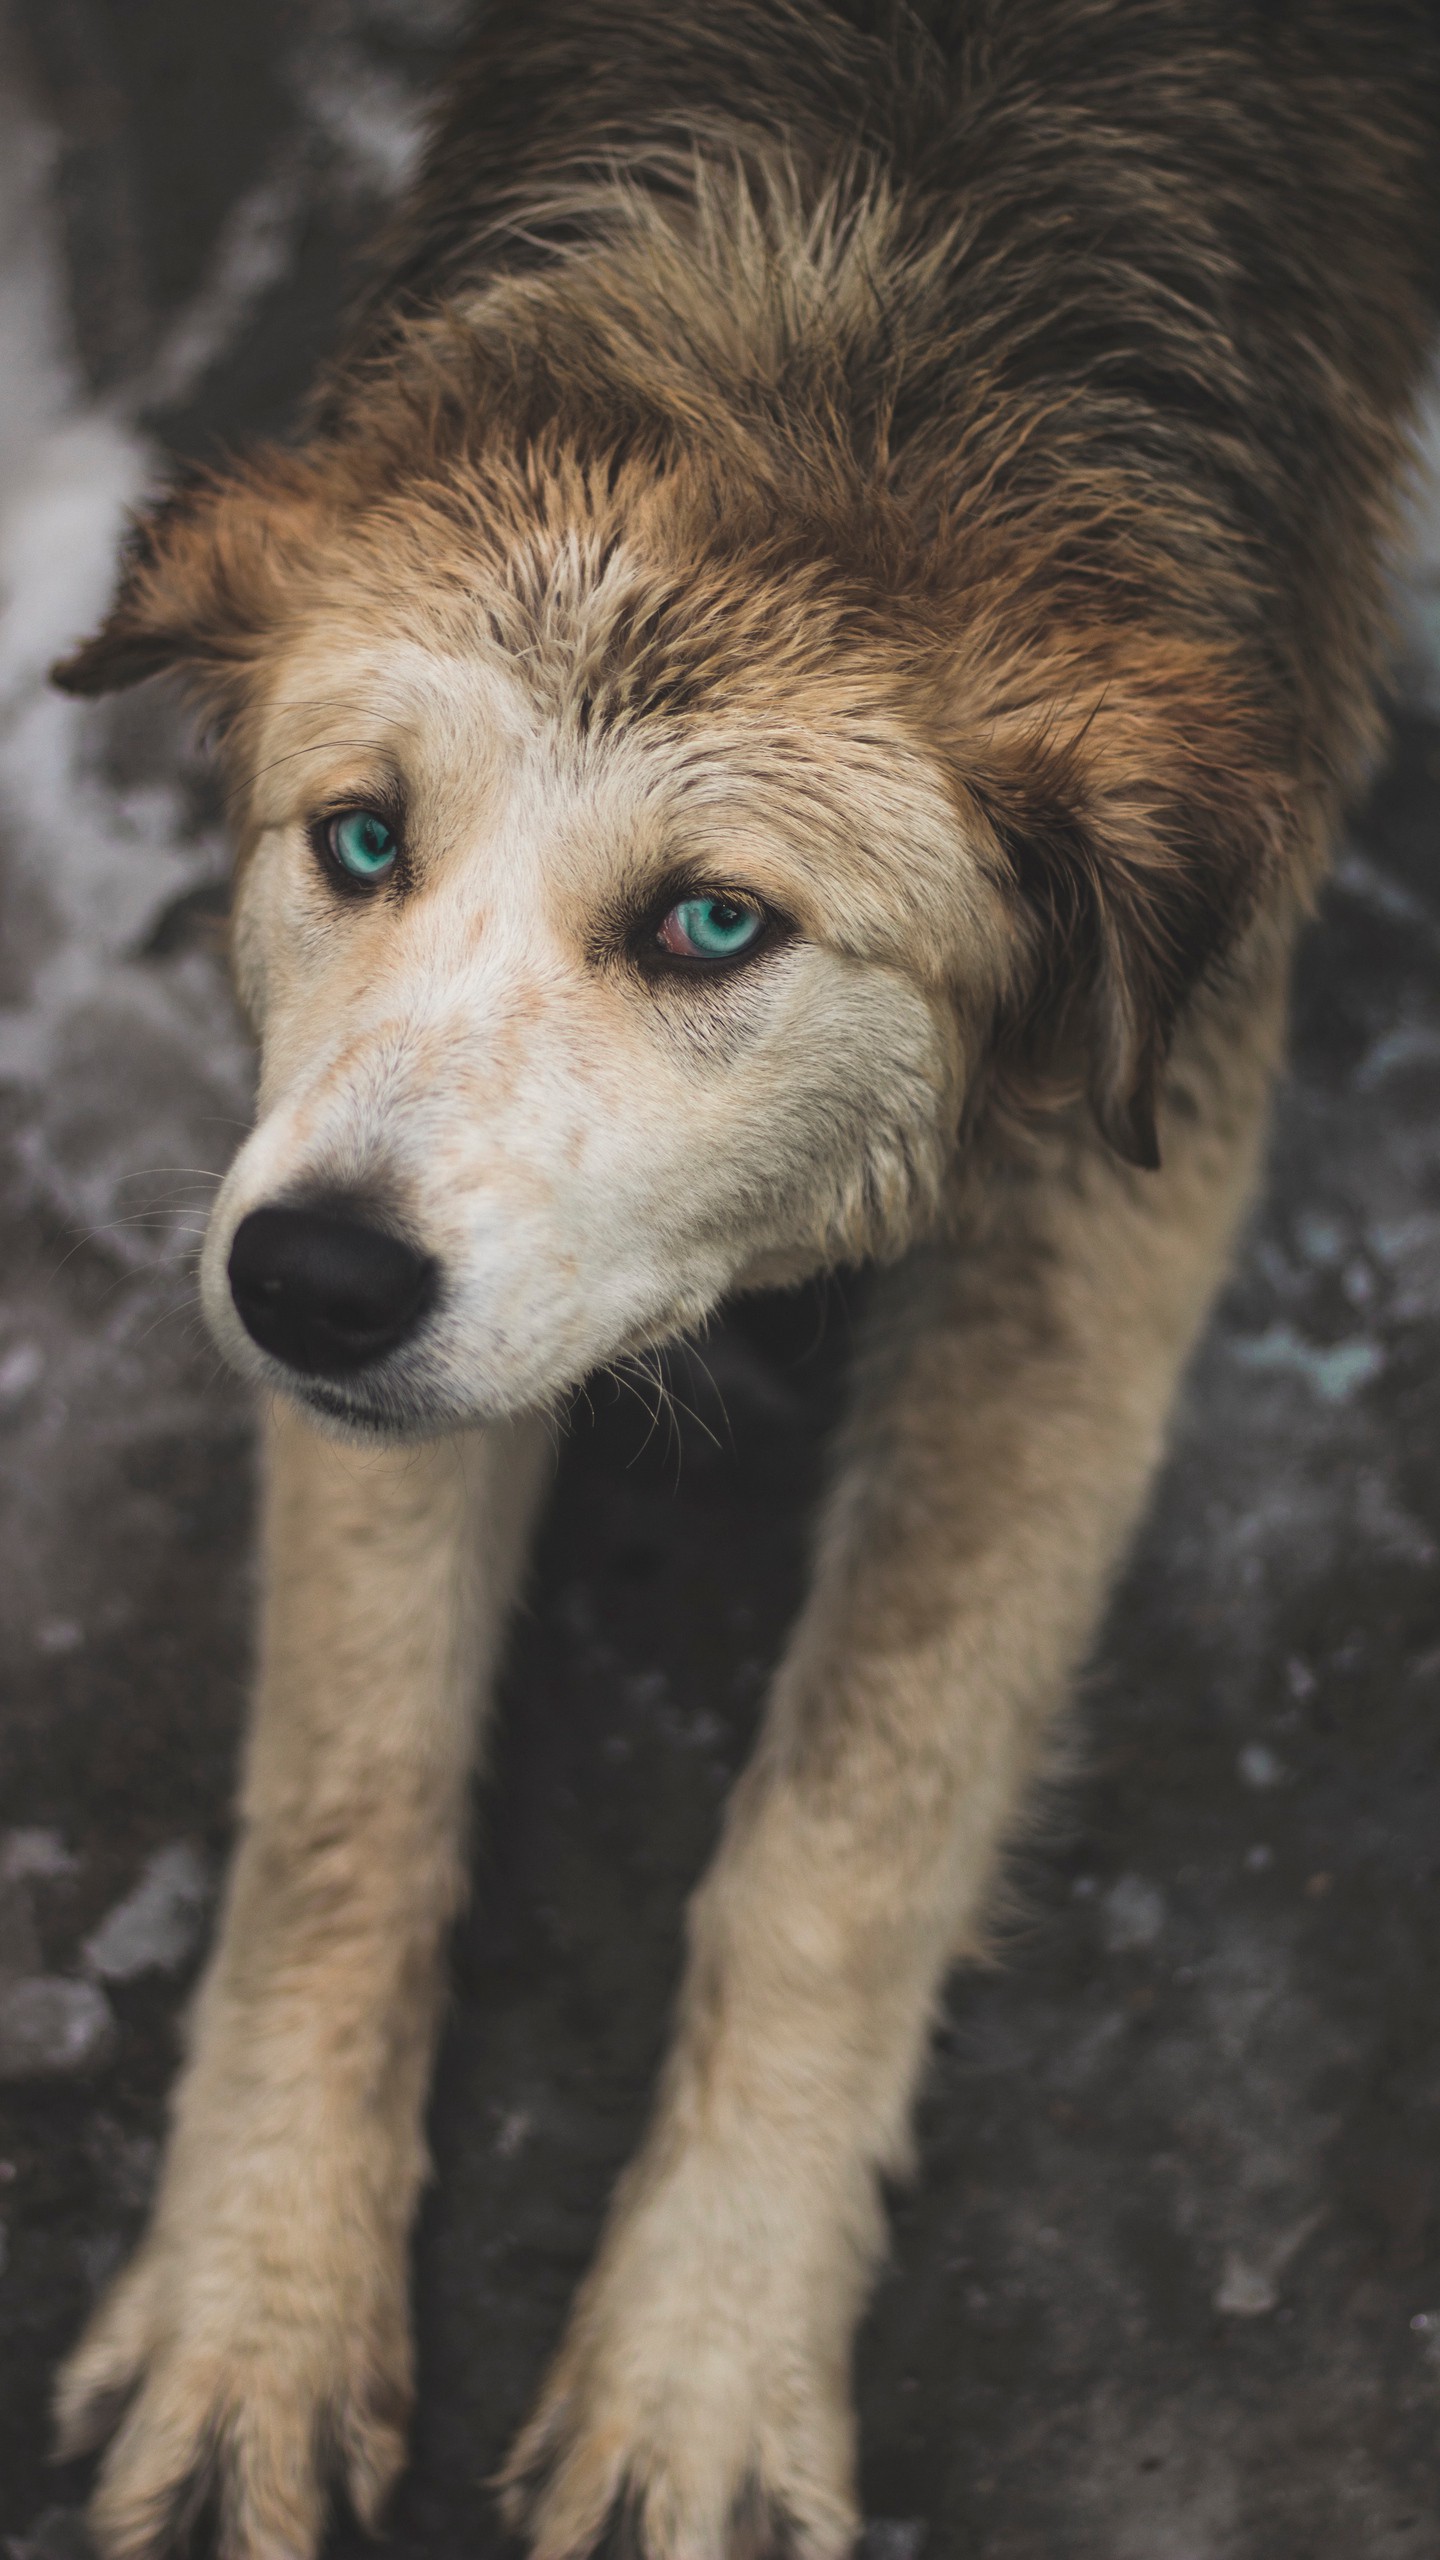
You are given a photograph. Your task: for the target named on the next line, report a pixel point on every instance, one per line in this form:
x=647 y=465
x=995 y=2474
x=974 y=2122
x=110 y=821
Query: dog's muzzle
x=324 y=1290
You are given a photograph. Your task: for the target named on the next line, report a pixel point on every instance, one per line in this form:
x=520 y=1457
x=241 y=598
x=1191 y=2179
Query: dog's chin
x=376 y=1408
x=342 y=1414
x=371 y=1408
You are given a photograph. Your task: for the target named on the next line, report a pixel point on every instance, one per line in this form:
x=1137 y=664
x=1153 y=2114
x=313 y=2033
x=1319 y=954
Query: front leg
x=260 y=2335
x=1011 y=1407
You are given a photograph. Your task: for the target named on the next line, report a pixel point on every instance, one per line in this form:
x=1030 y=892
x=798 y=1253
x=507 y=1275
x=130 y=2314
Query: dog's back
x=1175 y=259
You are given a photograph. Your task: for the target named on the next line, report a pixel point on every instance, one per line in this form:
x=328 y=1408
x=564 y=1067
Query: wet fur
x=973 y=434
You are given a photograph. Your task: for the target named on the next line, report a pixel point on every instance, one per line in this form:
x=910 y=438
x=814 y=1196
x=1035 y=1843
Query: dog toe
x=684 y=2488
x=374 y=2442
x=197 y=2430
x=103 y=2370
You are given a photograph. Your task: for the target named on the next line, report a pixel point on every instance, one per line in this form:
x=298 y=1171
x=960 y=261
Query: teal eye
x=362 y=846
x=710 y=929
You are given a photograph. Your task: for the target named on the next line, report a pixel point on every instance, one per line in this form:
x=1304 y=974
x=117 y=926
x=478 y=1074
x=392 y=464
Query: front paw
x=239 y=2372
x=701 y=2392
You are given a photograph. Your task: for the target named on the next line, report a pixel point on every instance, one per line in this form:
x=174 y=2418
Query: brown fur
x=959 y=445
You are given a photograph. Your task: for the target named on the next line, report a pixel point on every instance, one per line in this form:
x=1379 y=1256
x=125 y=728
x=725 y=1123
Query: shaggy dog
x=784 y=713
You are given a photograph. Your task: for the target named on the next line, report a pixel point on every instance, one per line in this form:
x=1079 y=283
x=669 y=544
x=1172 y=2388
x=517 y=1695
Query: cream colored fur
x=595 y=1177
x=265 y=2313
x=997 y=723
x=597 y=1165
x=1012 y=1405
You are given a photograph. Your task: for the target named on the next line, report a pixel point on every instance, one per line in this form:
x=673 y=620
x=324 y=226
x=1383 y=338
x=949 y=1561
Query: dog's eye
x=710 y=928
x=361 y=845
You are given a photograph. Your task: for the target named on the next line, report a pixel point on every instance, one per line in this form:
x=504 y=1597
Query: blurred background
x=1168 y=2287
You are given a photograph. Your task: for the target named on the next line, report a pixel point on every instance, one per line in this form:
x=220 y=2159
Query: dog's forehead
x=791 y=775
x=418 y=707
x=586 y=628
x=471 y=743
x=482 y=726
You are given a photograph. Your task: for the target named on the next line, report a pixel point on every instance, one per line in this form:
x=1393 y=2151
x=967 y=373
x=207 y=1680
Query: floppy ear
x=1137 y=853
x=205 y=578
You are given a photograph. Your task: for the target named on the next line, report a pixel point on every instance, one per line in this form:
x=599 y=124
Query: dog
x=783 y=713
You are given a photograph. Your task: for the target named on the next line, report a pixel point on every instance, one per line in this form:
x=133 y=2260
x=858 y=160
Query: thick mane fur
x=1014 y=347
x=1052 y=265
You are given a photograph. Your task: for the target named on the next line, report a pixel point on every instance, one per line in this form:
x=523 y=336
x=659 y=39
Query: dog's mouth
x=394 y=1416
x=335 y=1300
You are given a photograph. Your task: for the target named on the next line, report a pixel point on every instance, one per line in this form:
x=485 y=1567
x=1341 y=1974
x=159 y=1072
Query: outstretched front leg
x=260 y=2335
x=1011 y=1406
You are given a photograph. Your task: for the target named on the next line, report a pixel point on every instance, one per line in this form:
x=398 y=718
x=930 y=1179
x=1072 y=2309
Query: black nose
x=323 y=1290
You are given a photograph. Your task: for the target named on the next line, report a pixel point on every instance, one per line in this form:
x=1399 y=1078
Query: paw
x=222 y=2373
x=697 y=2396
x=704 y=2463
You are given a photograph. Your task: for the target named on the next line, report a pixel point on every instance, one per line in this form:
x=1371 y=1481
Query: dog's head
x=642 y=873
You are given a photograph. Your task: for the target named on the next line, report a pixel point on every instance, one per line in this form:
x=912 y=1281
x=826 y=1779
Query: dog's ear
x=1136 y=853
x=205 y=578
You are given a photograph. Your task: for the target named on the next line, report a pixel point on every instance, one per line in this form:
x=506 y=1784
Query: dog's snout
x=324 y=1290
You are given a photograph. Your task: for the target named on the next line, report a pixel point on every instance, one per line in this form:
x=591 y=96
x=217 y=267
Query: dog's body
x=786 y=714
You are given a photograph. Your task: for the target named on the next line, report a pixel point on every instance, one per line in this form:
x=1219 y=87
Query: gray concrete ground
x=1168 y=2285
